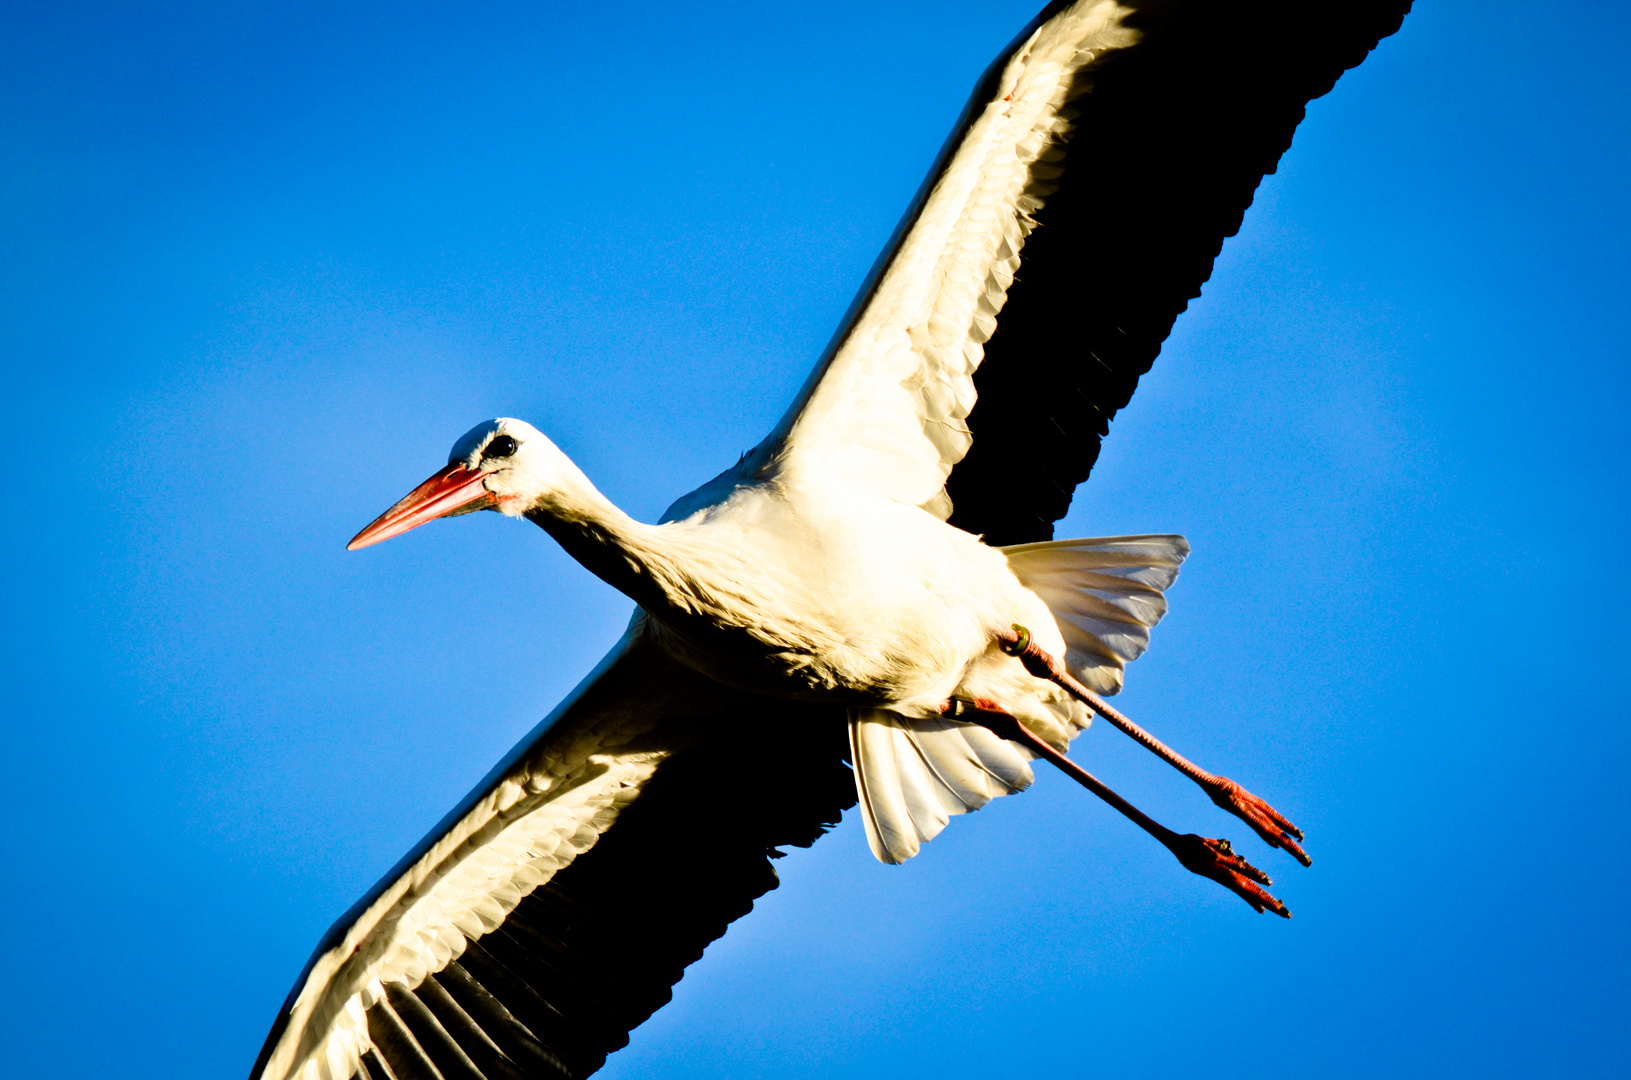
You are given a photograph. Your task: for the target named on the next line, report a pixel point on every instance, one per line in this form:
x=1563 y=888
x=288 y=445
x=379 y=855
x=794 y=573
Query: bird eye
x=503 y=446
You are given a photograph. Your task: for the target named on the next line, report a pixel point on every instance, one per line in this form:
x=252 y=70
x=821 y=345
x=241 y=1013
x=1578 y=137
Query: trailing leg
x=1275 y=829
x=1209 y=858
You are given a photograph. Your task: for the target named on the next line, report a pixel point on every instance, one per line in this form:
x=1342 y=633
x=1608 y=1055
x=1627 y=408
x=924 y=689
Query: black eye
x=503 y=446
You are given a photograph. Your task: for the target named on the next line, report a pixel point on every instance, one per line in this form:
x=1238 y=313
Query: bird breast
x=860 y=601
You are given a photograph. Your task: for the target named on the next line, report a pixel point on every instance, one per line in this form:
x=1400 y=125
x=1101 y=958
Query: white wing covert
x=1112 y=145
x=888 y=410
x=495 y=949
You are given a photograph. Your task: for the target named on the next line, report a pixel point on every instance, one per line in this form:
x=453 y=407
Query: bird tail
x=913 y=776
x=1105 y=593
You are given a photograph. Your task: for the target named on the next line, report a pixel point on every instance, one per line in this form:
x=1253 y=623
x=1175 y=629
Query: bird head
x=504 y=465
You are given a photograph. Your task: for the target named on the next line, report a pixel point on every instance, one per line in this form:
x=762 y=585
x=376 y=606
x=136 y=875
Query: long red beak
x=455 y=489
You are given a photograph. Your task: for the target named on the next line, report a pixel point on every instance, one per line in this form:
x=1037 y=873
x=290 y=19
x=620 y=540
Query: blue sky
x=262 y=263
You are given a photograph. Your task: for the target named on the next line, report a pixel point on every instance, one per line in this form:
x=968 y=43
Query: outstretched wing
x=1072 y=215
x=551 y=912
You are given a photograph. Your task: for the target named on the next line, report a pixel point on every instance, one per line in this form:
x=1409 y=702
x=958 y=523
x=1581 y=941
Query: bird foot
x=1268 y=822
x=1217 y=860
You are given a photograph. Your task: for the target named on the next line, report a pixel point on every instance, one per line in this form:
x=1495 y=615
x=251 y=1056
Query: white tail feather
x=1105 y=593
x=913 y=776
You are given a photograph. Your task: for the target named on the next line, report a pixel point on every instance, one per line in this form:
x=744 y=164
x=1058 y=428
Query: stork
x=869 y=606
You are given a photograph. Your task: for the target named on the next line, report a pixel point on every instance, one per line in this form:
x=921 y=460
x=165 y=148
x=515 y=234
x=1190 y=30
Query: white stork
x=869 y=604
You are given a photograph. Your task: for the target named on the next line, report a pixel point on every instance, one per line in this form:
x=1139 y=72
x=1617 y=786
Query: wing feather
x=1113 y=147
x=486 y=952
x=887 y=411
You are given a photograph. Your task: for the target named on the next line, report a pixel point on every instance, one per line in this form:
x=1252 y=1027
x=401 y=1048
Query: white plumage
x=888 y=412
x=815 y=573
x=820 y=573
x=1104 y=594
x=915 y=773
x=791 y=586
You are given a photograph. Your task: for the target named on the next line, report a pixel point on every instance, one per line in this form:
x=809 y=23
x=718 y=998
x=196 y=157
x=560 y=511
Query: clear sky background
x=261 y=263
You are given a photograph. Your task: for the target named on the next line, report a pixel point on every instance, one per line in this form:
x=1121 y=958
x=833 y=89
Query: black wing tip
x=1183 y=131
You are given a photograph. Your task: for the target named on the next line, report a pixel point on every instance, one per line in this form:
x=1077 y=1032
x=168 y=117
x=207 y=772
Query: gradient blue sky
x=262 y=263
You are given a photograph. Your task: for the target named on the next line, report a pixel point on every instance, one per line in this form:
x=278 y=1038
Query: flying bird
x=869 y=607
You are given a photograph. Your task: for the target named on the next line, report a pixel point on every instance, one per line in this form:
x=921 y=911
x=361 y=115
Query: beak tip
x=367 y=538
x=452 y=489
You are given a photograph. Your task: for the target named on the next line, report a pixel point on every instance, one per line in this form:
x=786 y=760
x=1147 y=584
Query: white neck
x=608 y=543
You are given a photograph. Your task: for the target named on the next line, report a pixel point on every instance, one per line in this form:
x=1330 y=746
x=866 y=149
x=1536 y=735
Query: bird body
x=792 y=587
x=880 y=568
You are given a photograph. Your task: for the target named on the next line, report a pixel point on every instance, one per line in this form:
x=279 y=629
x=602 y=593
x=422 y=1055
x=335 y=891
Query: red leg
x=1213 y=859
x=1275 y=829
